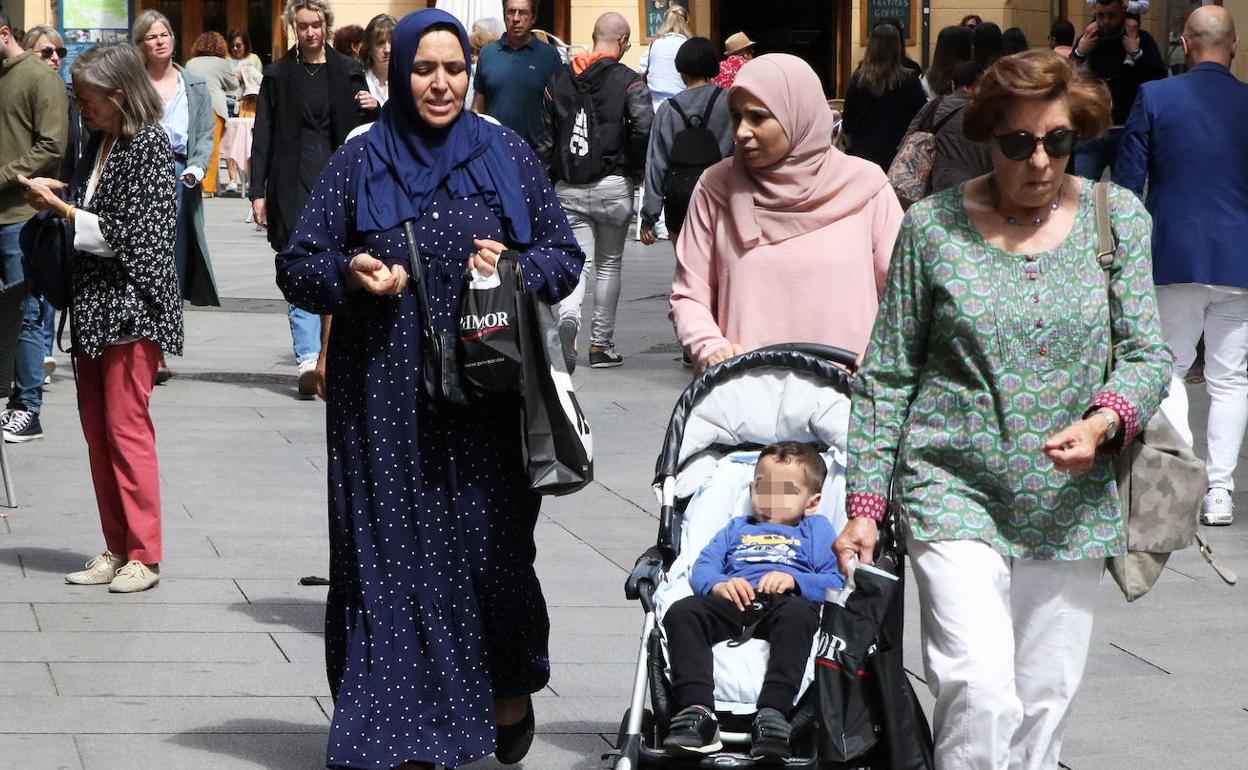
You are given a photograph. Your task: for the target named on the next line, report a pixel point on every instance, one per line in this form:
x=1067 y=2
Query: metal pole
x=927 y=33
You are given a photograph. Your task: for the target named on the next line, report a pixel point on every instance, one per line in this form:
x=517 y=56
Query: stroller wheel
x=647 y=729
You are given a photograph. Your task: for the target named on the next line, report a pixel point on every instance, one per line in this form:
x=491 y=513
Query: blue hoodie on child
x=749 y=549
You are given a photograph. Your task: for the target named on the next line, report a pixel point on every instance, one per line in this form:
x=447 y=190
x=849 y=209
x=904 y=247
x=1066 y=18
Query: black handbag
x=440 y=364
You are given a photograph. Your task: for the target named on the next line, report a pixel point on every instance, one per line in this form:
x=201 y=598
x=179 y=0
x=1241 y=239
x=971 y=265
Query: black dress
x=434 y=606
x=314 y=142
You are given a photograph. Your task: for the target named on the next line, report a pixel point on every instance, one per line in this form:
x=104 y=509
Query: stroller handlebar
x=825 y=361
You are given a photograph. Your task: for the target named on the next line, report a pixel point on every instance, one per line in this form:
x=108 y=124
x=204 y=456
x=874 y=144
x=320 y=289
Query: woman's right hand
x=372 y=275
x=366 y=101
x=259 y=212
x=722 y=354
x=856 y=539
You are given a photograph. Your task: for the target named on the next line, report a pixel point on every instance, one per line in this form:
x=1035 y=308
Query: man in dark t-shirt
x=511 y=74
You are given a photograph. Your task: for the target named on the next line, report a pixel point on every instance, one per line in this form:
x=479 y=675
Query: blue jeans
x=305 y=330
x=1092 y=158
x=27 y=390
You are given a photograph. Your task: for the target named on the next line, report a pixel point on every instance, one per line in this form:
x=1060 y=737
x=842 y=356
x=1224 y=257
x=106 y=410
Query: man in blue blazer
x=1187 y=136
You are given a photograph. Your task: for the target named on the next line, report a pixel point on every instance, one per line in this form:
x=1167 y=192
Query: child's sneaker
x=769 y=735
x=694 y=729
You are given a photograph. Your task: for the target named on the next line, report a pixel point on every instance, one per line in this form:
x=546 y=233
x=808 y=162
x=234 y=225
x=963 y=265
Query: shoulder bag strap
x=710 y=105
x=680 y=112
x=1105 y=250
x=936 y=128
x=929 y=112
x=416 y=276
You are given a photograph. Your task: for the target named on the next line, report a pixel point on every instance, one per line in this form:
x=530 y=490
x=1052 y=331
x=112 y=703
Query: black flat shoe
x=513 y=741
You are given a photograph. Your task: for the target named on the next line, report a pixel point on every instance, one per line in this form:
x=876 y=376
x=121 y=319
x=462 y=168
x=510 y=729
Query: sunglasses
x=1019 y=145
x=46 y=53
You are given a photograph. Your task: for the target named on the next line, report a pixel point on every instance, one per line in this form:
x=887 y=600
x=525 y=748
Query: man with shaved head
x=595 y=128
x=1185 y=137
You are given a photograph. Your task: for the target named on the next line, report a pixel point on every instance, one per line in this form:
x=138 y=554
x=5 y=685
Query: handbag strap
x=1106 y=248
x=1228 y=576
x=416 y=276
x=941 y=123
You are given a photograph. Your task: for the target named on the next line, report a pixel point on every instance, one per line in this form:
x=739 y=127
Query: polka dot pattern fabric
x=434 y=607
x=978 y=355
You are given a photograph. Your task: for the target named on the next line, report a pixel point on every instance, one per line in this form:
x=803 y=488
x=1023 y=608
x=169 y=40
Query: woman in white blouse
x=658 y=63
x=375 y=58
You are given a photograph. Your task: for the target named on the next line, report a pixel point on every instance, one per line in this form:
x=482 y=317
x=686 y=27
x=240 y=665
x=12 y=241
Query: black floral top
x=133 y=294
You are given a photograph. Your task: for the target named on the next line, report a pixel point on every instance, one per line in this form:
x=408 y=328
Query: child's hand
x=776 y=582
x=738 y=591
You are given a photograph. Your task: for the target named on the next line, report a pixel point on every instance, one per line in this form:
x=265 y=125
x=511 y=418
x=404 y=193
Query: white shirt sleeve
x=87 y=235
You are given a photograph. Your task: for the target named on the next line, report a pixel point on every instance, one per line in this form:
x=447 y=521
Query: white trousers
x=1221 y=314
x=1004 y=647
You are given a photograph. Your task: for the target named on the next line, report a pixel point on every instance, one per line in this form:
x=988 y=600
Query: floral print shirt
x=979 y=354
x=728 y=69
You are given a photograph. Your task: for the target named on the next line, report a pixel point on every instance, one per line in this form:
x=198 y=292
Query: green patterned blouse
x=977 y=355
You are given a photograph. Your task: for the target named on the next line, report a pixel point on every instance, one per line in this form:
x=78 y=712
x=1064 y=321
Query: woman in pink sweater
x=789 y=239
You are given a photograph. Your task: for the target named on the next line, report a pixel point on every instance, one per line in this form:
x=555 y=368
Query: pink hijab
x=811 y=187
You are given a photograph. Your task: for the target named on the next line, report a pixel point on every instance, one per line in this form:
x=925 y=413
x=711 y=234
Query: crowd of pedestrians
x=984 y=414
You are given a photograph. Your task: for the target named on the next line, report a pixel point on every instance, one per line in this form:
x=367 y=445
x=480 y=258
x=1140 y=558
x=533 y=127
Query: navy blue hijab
x=408 y=159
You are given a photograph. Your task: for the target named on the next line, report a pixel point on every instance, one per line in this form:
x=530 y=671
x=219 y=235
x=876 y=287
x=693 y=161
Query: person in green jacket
x=34 y=118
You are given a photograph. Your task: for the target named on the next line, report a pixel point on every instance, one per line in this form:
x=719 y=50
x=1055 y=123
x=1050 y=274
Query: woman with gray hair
x=188 y=119
x=306 y=108
x=126 y=304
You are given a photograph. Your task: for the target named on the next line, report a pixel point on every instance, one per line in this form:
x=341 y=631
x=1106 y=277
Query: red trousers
x=113 y=395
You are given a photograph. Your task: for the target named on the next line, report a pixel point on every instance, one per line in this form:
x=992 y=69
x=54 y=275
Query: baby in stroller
x=763 y=576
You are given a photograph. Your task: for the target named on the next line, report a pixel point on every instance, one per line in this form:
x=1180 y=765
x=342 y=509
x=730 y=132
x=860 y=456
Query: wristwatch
x=1111 y=431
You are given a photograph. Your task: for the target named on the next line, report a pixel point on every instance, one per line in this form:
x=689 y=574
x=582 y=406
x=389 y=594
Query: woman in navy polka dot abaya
x=435 y=611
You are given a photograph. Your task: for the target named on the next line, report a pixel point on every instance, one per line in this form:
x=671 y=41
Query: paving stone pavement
x=221 y=667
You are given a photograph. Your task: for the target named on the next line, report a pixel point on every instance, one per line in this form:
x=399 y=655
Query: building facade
x=829 y=34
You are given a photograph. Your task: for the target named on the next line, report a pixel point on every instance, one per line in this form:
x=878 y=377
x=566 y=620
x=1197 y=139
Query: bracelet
x=68 y=216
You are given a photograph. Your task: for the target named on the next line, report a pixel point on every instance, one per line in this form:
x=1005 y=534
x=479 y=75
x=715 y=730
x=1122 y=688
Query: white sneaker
x=1217 y=509
x=99 y=571
x=134 y=576
x=49 y=366
x=307 y=379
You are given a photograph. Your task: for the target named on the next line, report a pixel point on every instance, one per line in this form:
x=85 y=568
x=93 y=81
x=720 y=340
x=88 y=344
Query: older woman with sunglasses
x=986 y=423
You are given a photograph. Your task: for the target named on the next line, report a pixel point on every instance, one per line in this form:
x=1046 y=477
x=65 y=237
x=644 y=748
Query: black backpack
x=47 y=244
x=578 y=153
x=694 y=149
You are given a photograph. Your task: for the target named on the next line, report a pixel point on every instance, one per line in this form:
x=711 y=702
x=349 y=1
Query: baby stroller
x=790 y=392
